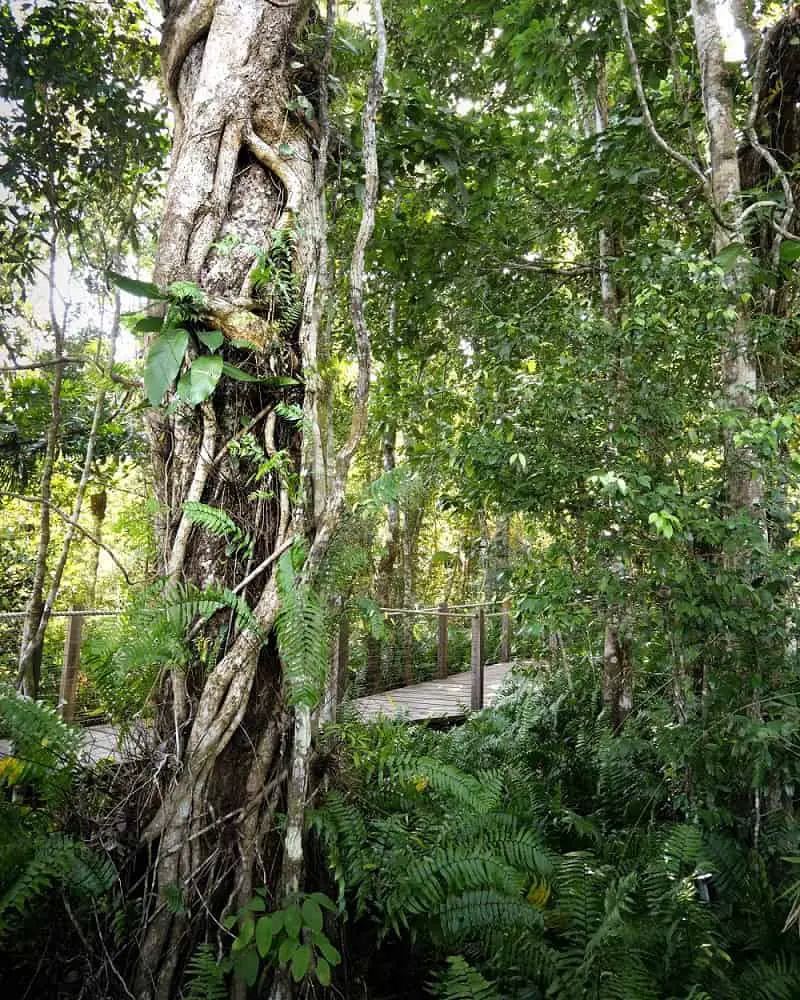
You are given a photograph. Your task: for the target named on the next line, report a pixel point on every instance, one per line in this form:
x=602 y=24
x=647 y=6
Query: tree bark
x=384 y=574
x=244 y=167
x=617 y=655
x=743 y=477
x=35 y=622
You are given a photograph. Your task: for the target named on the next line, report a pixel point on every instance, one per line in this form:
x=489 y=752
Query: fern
x=461 y=982
x=218 y=523
x=152 y=636
x=46 y=749
x=207 y=978
x=302 y=633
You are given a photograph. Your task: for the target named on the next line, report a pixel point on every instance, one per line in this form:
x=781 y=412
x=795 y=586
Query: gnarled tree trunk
x=245 y=169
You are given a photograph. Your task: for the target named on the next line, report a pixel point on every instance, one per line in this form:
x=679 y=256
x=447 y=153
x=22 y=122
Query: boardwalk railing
x=474 y=614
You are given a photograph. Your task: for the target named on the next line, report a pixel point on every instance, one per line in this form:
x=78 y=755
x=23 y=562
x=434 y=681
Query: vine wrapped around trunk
x=244 y=226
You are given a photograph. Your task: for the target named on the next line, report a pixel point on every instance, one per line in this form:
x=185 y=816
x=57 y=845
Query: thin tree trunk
x=98 y=503
x=412 y=522
x=382 y=584
x=31 y=645
x=744 y=480
x=617 y=655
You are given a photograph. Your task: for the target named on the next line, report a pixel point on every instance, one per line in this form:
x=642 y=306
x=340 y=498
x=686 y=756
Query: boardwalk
x=440 y=699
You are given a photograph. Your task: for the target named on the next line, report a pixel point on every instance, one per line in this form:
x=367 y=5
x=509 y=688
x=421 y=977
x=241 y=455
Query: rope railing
x=476 y=613
x=73 y=613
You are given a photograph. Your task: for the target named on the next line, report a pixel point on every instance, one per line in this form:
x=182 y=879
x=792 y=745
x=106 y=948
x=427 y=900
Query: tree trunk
x=743 y=478
x=244 y=168
x=617 y=656
x=412 y=523
x=382 y=584
x=98 y=502
x=34 y=623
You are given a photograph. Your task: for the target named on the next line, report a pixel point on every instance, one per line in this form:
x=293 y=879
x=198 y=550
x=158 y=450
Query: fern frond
x=220 y=524
x=46 y=749
x=302 y=635
x=424 y=772
x=449 y=871
x=476 y=912
x=207 y=978
x=459 y=981
x=55 y=860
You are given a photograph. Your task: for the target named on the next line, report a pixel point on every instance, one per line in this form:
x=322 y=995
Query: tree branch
x=42 y=364
x=78 y=527
x=650 y=125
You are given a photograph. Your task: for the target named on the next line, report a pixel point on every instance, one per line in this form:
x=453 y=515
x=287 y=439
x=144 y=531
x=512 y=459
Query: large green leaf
x=164 y=360
x=200 y=381
x=213 y=339
x=143 y=289
x=301 y=960
x=790 y=251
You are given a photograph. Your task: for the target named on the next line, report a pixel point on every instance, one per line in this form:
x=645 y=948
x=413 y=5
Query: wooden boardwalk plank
x=437 y=699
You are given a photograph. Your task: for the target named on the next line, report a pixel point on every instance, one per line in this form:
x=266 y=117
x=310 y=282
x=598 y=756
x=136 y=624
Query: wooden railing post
x=476 y=701
x=72 y=662
x=505 y=637
x=441 y=647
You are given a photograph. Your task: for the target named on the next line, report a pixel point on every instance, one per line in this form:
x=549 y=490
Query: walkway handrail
x=477 y=614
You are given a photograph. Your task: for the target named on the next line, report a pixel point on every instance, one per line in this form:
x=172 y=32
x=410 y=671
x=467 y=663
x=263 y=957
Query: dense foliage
x=584 y=399
x=559 y=860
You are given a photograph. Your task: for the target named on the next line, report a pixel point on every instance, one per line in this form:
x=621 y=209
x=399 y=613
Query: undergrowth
x=532 y=854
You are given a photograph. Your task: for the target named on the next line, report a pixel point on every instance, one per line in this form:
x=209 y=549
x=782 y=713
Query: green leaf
x=327 y=949
x=790 y=251
x=285 y=149
x=264 y=936
x=144 y=289
x=245 y=936
x=323 y=901
x=312 y=914
x=236 y=373
x=728 y=257
x=287 y=950
x=164 y=360
x=323 y=972
x=148 y=324
x=246 y=966
x=301 y=962
x=199 y=382
x=293 y=920
x=229 y=921
x=213 y=339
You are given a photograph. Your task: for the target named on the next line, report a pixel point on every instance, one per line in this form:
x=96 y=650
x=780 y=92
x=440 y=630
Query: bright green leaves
x=141 y=289
x=164 y=360
x=665 y=523
x=200 y=380
x=290 y=938
x=178 y=331
x=312 y=914
x=212 y=339
x=790 y=251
